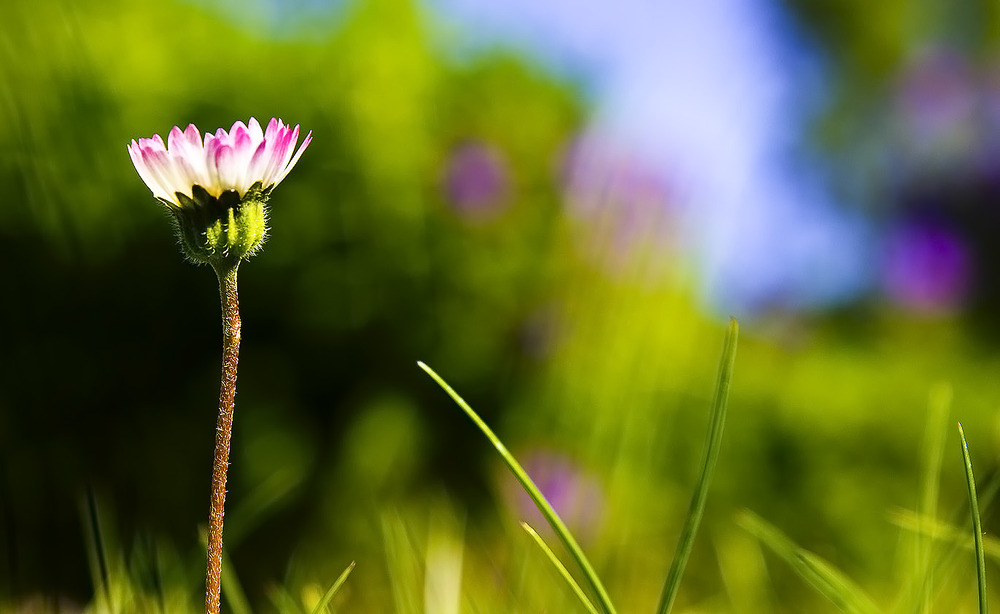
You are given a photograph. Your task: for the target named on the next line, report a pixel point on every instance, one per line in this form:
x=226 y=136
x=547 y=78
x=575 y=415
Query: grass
x=450 y=569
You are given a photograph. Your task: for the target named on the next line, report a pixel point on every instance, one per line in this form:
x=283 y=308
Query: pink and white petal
x=193 y=136
x=176 y=141
x=256 y=165
x=228 y=167
x=292 y=140
x=273 y=127
x=275 y=162
x=295 y=160
x=164 y=183
x=242 y=143
x=154 y=143
x=242 y=146
x=142 y=168
x=187 y=174
x=212 y=146
x=224 y=136
x=253 y=126
x=184 y=143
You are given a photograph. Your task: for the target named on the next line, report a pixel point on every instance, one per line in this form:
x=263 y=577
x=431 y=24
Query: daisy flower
x=217 y=186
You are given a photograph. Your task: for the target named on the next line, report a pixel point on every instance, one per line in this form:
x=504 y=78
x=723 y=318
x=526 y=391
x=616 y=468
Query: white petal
x=212 y=144
x=227 y=164
x=255 y=132
x=160 y=169
x=256 y=165
x=140 y=166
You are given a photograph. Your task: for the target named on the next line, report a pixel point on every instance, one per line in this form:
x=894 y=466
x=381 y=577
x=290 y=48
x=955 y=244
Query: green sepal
x=221 y=231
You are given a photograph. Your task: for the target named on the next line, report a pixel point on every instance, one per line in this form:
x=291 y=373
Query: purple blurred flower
x=476 y=179
x=938 y=94
x=926 y=268
x=627 y=206
x=575 y=495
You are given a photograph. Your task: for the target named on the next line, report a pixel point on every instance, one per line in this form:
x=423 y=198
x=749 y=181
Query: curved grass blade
x=328 y=596
x=977 y=525
x=712 y=445
x=823 y=576
x=604 y=600
x=563 y=572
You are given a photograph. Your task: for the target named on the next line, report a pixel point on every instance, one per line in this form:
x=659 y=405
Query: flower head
x=217 y=187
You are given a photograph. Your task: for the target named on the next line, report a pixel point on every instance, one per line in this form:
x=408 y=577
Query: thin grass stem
x=560 y=568
x=603 y=599
x=713 y=444
x=977 y=525
x=328 y=596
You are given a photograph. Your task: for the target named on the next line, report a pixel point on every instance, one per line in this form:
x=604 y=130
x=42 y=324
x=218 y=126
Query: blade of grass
x=232 y=589
x=283 y=601
x=536 y=495
x=977 y=525
x=823 y=576
x=713 y=443
x=939 y=405
x=944 y=532
x=563 y=572
x=405 y=575
x=97 y=551
x=328 y=596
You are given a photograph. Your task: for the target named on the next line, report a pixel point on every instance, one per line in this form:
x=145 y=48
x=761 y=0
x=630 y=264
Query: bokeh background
x=556 y=205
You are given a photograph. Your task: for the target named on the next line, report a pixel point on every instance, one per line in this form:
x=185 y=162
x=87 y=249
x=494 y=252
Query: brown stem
x=223 y=432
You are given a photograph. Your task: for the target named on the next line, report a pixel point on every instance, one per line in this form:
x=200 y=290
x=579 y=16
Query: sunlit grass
x=439 y=569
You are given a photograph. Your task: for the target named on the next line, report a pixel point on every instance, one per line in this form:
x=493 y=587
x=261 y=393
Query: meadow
x=452 y=211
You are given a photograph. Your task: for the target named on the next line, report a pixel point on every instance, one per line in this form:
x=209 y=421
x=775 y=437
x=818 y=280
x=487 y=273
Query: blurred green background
x=453 y=209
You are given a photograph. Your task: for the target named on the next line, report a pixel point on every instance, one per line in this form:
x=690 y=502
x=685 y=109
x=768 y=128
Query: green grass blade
x=563 y=572
x=823 y=576
x=232 y=590
x=977 y=525
x=97 y=552
x=405 y=574
x=604 y=600
x=325 y=601
x=712 y=445
x=935 y=435
x=942 y=531
x=283 y=601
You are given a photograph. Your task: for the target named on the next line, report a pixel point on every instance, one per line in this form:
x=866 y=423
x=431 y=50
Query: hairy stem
x=223 y=433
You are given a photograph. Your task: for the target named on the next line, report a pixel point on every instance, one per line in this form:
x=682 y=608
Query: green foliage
x=569 y=348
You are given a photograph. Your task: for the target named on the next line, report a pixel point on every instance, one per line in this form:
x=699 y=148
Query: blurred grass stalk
x=712 y=445
x=695 y=510
x=824 y=577
x=560 y=528
x=939 y=406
